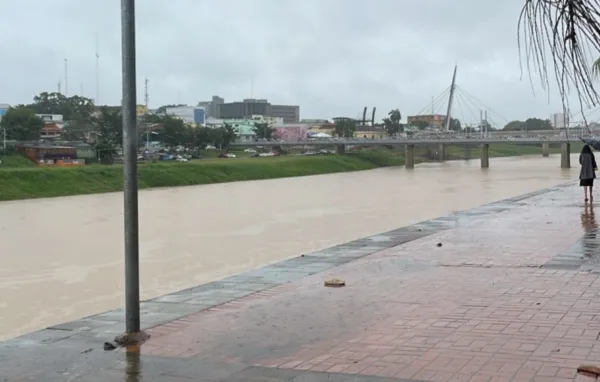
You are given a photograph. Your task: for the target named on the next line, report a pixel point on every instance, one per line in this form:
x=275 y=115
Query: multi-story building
x=141 y=110
x=267 y=119
x=211 y=107
x=290 y=132
x=3 y=109
x=250 y=107
x=559 y=120
x=289 y=113
x=245 y=109
x=432 y=120
x=189 y=114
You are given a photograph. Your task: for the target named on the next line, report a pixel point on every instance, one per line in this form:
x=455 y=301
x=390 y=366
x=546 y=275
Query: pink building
x=290 y=132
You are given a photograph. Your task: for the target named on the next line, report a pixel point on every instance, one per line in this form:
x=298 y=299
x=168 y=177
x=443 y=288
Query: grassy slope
x=17 y=181
x=24 y=183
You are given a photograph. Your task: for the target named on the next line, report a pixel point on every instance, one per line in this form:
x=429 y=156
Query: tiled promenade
x=504 y=292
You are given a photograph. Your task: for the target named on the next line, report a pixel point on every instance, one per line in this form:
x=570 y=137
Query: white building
x=559 y=120
x=189 y=114
x=51 y=118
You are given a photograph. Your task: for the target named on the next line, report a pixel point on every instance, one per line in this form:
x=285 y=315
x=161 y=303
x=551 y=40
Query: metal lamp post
x=130 y=181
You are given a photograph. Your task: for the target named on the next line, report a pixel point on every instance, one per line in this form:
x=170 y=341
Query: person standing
x=587 y=173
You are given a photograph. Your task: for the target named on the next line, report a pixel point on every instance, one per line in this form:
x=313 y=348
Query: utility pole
x=130 y=181
x=147 y=102
x=58 y=87
x=96 y=101
x=481 y=123
x=486 y=124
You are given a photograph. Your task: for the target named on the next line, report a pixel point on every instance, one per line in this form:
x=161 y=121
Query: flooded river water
x=62 y=258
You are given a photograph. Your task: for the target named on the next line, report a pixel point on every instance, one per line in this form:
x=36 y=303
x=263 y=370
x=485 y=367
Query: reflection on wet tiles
x=585 y=253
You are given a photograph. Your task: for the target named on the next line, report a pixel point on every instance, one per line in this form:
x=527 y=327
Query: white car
x=210 y=147
x=181 y=159
x=230 y=155
x=251 y=151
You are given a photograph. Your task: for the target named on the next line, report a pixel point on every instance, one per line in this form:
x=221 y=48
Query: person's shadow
x=590 y=243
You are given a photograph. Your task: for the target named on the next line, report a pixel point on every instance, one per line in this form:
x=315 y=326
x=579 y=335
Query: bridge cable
x=475 y=100
x=425 y=110
x=461 y=100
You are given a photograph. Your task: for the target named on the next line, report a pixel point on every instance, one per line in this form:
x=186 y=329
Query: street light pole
x=130 y=182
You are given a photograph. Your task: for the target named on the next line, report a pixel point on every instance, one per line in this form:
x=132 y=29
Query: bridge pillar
x=441 y=152
x=565 y=155
x=409 y=156
x=545 y=149
x=485 y=155
x=341 y=149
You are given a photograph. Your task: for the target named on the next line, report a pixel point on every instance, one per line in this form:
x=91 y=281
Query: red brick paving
x=481 y=311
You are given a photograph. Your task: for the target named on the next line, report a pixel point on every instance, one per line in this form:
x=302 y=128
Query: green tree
x=392 y=124
x=345 y=127
x=224 y=136
x=201 y=137
x=108 y=128
x=263 y=130
x=515 y=126
x=71 y=108
x=174 y=132
x=21 y=124
x=532 y=124
x=455 y=124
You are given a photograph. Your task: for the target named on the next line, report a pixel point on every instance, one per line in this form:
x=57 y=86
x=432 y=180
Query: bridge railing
x=410 y=141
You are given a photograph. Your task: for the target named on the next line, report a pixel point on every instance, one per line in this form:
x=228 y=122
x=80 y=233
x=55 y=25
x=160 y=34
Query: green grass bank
x=19 y=179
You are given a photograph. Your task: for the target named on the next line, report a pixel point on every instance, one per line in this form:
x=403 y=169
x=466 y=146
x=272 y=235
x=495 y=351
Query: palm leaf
x=596 y=68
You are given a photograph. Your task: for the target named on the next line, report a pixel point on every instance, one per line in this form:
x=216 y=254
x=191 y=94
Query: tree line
x=102 y=127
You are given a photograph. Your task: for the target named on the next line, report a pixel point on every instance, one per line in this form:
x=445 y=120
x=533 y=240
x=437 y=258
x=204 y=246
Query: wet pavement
x=503 y=292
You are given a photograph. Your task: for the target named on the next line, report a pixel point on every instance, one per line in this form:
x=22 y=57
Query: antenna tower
x=58 y=86
x=146 y=94
x=66 y=77
x=97 y=73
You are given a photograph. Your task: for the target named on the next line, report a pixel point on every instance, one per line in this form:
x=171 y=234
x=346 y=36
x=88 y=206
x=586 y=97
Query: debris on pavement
x=335 y=283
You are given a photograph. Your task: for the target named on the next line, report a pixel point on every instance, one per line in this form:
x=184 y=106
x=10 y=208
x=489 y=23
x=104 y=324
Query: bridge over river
x=410 y=144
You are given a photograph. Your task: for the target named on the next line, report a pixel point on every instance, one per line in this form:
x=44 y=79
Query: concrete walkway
x=503 y=292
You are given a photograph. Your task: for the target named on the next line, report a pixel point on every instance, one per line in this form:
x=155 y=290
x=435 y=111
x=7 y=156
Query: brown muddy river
x=62 y=258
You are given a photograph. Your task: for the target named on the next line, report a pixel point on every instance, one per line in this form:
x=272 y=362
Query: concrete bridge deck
x=503 y=292
x=410 y=144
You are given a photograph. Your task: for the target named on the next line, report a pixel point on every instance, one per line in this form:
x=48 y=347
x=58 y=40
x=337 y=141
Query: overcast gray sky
x=331 y=57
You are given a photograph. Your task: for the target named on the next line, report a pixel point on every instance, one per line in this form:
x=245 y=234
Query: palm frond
x=561 y=34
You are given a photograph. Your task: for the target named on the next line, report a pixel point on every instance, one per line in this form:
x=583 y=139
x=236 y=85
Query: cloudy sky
x=331 y=57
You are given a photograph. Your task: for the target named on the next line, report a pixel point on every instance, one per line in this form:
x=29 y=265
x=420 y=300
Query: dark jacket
x=588 y=165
